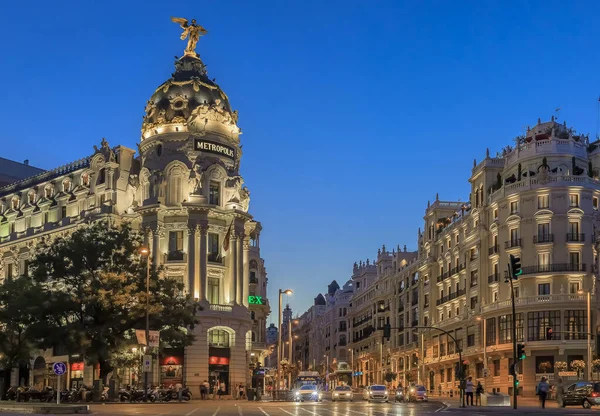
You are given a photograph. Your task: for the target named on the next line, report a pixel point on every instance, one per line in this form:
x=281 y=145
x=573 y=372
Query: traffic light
x=521 y=352
x=549 y=334
x=387 y=331
x=515 y=266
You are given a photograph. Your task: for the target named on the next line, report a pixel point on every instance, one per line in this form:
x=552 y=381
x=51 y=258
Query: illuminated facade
x=537 y=201
x=185 y=193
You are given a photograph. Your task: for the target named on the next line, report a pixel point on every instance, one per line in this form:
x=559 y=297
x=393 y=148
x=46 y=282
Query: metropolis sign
x=213 y=147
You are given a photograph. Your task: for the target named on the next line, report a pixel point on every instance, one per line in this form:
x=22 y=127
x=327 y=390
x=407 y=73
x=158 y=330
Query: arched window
x=14 y=203
x=102 y=176
x=85 y=180
x=31 y=197
x=218 y=338
x=175 y=189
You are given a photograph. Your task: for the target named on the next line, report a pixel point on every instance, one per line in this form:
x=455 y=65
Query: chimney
x=26 y=162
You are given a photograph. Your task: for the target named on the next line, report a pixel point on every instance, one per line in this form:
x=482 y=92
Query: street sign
x=147 y=363
x=567 y=373
x=59 y=368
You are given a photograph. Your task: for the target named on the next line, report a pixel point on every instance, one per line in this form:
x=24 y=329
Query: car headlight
x=412 y=390
x=297 y=393
x=385 y=392
x=336 y=394
x=314 y=393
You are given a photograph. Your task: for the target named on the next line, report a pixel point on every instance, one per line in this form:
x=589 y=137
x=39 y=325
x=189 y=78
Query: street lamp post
x=327 y=372
x=279 y=345
x=146 y=252
x=589 y=334
x=352 y=366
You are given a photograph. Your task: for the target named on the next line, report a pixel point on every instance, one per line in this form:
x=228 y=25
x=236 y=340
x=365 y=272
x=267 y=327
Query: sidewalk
x=522 y=402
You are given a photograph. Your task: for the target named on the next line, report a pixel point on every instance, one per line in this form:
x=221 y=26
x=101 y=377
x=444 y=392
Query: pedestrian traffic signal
x=387 y=331
x=521 y=352
x=515 y=266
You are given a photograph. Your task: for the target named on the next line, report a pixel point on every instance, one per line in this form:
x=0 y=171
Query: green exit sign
x=255 y=300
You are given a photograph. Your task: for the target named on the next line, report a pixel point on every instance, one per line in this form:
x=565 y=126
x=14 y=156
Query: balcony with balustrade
x=546 y=302
x=553 y=268
x=575 y=238
x=513 y=243
x=450 y=296
x=543 y=239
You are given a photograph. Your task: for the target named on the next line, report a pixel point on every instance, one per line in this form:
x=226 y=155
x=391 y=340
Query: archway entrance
x=39 y=372
x=219 y=354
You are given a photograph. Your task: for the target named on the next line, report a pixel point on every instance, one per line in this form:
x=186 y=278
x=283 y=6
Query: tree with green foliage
x=94 y=295
x=19 y=298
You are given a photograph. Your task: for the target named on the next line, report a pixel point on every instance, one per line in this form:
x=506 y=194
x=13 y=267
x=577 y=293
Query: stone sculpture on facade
x=195 y=180
x=106 y=151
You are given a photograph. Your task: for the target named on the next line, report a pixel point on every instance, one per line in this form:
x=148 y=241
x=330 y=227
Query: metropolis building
x=184 y=191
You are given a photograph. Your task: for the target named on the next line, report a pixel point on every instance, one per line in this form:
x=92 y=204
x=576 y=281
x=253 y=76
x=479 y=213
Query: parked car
x=376 y=392
x=308 y=392
x=582 y=393
x=342 y=393
x=417 y=394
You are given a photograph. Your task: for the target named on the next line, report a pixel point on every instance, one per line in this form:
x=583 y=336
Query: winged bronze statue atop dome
x=191 y=31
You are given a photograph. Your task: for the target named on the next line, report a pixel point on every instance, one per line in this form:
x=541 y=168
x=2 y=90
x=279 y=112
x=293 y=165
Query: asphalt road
x=245 y=408
x=326 y=408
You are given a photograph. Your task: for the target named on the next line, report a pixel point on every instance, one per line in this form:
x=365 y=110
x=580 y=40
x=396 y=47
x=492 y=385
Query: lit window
x=543 y=201
x=214 y=193
x=573 y=200
x=496 y=213
x=514 y=207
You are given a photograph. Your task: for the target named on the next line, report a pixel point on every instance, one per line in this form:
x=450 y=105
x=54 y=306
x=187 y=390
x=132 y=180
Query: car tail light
x=595 y=394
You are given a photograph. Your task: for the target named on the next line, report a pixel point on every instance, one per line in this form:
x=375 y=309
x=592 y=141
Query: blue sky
x=354 y=113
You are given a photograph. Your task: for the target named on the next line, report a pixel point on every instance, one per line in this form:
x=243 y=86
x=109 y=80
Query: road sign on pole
x=59 y=370
x=147 y=363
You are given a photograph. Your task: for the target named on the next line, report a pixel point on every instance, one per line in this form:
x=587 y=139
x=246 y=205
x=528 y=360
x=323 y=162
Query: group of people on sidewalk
x=542 y=389
x=219 y=389
x=469 y=387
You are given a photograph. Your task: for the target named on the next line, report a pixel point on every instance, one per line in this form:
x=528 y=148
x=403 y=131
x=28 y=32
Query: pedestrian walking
x=215 y=391
x=478 y=393
x=222 y=389
x=241 y=391
x=469 y=390
x=560 y=389
x=542 y=390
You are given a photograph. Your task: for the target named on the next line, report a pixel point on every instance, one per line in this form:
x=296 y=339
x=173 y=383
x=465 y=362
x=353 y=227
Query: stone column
x=191 y=283
x=241 y=278
x=202 y=254
x=233 y=267
x=157 y=234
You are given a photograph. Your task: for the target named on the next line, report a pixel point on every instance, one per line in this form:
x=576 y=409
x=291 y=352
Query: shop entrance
x=218 y=368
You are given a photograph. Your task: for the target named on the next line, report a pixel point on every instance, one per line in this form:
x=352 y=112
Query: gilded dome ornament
x=191 y=31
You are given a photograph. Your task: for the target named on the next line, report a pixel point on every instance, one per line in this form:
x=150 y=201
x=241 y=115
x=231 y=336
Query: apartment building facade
x=537 y=201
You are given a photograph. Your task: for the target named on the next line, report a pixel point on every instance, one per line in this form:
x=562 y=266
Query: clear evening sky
x=354 y=113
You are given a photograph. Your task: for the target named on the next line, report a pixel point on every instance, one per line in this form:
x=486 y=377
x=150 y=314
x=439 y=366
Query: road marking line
x=261 y=409
x=240 y=410
x=289 y=413
x=216 y=411
x=188 y=414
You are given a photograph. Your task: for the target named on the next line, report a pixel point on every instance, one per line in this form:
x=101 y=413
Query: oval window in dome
x=159 y=150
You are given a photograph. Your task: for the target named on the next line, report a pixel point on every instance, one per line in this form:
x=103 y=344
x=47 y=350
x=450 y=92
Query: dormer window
x=14 y=203
x=48 y=192
x=85 y=179
x=66 y=186
x=31 y=197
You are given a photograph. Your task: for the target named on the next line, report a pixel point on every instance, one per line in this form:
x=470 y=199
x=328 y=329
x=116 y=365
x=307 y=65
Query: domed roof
x=188 y=88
